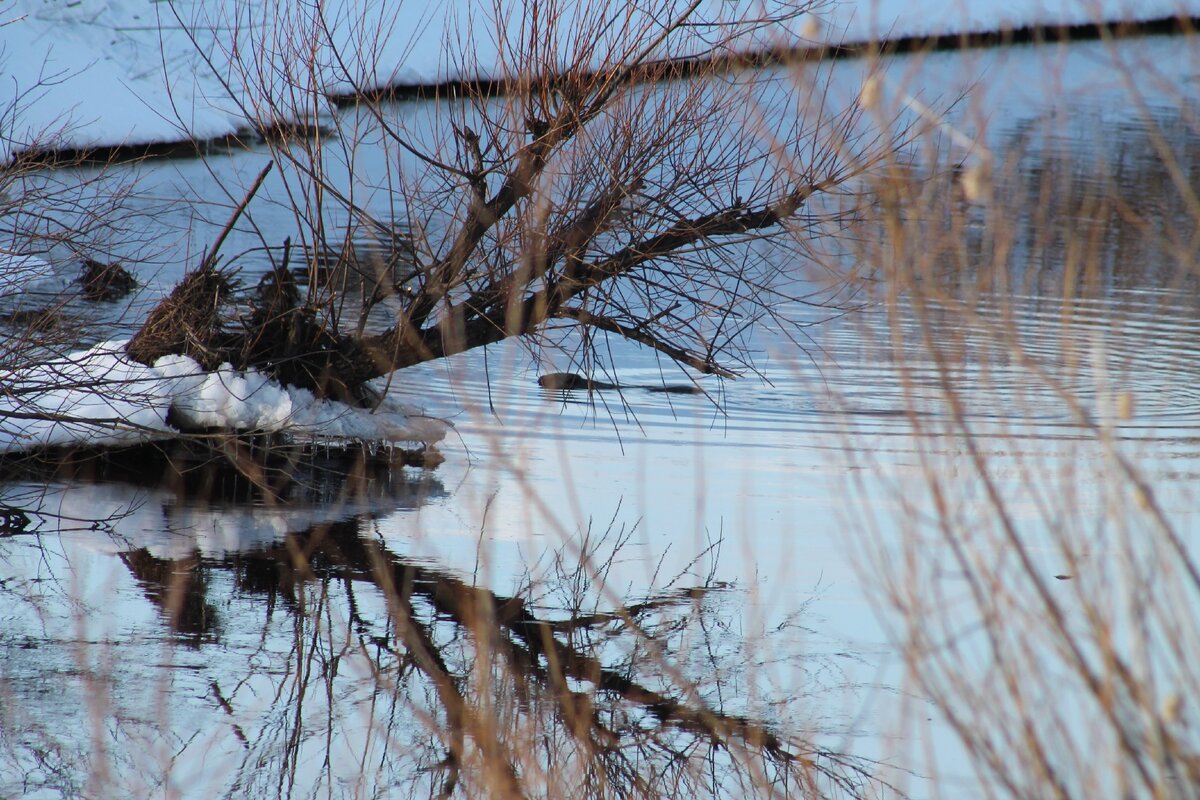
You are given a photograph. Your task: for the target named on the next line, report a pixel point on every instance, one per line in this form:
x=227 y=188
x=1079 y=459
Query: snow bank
x=867 y=20
x=112 y=72
x=21 y=274
x=100 y=397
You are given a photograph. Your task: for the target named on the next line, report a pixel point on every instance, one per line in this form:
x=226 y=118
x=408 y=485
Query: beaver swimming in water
x=571 y=381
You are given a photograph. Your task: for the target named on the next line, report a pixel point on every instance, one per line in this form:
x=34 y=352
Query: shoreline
x=650 y=72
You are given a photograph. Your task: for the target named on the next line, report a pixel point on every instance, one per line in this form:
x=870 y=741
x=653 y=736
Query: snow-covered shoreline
x=100 y=398
x=113 y=73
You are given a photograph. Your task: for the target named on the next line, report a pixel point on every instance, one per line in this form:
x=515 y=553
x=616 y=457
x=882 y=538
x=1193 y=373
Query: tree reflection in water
x=321 y=662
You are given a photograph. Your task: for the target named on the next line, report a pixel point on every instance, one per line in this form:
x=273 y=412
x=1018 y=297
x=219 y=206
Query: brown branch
x=725 y=222
x=642 y=335
x=586 y=94
x=396 y=582
x=565 y=243
x=465 y=328
x=210 y=259
x=470 y=606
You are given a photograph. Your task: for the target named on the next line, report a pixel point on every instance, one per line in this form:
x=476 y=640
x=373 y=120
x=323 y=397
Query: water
x=760 y=532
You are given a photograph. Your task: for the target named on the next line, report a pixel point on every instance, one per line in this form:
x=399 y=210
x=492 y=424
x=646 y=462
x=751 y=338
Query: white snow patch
x=866 y=20
x=25 y=273
x=101 y=397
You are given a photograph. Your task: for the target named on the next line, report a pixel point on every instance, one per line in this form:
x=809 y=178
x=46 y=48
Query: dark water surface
x=161 y=643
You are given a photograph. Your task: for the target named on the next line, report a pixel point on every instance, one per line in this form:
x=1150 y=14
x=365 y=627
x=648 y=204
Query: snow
x=101 y=397
x=112 y=72
x=228 y=398
x=882 y=19
x=21 y=274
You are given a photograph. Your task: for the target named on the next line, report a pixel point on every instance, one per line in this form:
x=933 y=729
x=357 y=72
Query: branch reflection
x=300 y=652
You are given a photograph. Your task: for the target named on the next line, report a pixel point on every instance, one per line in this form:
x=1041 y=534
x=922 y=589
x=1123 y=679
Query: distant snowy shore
x=104 y=73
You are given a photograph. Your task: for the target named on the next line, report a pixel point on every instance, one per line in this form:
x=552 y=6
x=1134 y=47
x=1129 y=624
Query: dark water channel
x=684 y=591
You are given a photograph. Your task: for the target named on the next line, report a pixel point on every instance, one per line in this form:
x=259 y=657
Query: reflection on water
x=390 y=632
x=285 y=649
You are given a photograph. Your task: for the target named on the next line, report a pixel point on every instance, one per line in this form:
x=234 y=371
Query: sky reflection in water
x=739 y=530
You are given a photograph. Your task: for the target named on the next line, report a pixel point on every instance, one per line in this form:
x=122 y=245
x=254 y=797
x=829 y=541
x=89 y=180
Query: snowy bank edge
x=100 y=397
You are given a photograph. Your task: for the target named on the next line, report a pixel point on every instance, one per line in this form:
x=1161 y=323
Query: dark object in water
x=105 y=282
x=13 y=521
x=571 y=381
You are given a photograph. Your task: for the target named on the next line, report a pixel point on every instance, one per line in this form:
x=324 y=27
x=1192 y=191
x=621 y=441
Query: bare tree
x=620 y=174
